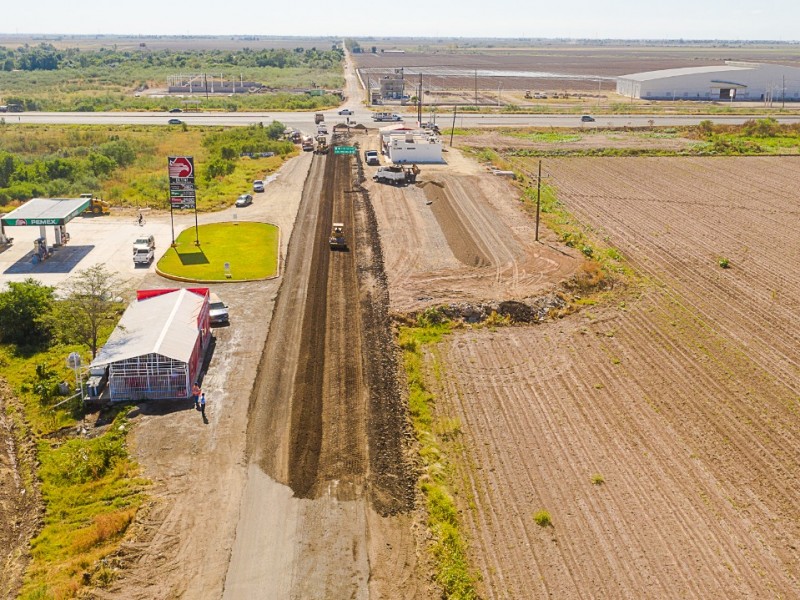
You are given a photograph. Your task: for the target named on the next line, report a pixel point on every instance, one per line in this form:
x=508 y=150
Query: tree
x=89 y=306
x=23 y=313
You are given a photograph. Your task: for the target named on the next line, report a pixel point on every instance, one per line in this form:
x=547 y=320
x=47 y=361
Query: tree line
x=46 y=57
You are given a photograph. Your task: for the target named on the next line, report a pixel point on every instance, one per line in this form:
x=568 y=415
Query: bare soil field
x=602 y=61
x=660 y=430
x=587 y=70
x=460 y=236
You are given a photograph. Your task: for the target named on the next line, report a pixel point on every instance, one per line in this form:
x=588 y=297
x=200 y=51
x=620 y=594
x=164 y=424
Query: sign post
x=182 y=189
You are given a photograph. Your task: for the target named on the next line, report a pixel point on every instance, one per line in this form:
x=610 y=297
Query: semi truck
x=397 y=175
x=318 y=118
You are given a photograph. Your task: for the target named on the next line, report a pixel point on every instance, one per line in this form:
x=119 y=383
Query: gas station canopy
x=46 y=211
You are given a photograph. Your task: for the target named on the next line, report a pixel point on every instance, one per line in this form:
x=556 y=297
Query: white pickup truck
x=144 y=250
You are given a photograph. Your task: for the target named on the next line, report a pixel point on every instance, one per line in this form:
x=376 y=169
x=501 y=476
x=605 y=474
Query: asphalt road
x=304 y=121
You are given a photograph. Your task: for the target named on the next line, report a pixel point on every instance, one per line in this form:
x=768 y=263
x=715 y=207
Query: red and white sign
x=181 y=166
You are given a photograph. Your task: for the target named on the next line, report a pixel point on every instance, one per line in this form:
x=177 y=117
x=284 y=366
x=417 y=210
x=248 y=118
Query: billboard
x=181 y=182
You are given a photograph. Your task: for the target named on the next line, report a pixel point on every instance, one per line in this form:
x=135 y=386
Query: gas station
x=44 y=212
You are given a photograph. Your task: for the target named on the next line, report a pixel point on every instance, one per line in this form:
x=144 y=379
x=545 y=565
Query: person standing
x=196 y=394
x=202 y=402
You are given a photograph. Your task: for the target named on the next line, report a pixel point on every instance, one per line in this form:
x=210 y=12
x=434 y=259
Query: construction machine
x=322 y=145
x=337 y=240
x=97 y=206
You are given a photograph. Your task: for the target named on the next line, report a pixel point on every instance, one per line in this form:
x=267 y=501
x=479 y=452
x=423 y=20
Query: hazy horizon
x=624 y=20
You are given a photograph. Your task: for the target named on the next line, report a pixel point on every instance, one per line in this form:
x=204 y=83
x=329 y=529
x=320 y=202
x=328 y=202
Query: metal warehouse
x=734 y=81
x=157 y=350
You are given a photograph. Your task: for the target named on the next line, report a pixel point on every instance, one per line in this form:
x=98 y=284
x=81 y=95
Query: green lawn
x=251 y=249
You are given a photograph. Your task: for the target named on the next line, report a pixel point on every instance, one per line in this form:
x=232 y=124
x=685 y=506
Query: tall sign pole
x=181 y=187
x=172 y=223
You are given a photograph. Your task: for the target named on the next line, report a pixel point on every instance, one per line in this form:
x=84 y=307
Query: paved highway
x=305 y=120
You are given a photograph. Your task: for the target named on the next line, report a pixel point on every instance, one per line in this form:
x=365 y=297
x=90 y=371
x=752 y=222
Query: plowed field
x=661 y=431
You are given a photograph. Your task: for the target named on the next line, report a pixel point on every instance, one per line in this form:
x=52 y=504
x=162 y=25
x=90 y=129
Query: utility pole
x=453 y=130
x=419 y=101
x=538 y=198
x=783 y=94
x=476 y=88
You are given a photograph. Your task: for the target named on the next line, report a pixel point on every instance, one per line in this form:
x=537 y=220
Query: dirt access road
x=327 y=509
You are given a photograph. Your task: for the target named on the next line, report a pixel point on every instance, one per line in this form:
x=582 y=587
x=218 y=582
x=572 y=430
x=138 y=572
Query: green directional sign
x=344 y=149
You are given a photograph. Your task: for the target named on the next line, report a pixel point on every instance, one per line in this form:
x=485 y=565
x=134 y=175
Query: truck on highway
x=385 y=116
x=97 y=206
x=397 y=175
x=337 y=240
x=308 y=144
x=318 y=118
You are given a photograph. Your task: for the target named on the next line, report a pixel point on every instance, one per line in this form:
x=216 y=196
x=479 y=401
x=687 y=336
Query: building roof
x=665 y=73
x=46 y=211
x=166 y=324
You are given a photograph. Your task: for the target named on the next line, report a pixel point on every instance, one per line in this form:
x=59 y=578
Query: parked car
x=175 y=110
x=244 y=200
x=175 y=122
x=587 y=119
x=258 y=185
x=345 y=111
x=217 y=310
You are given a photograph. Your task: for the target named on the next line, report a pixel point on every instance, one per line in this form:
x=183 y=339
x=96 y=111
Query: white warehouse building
x=733 y=81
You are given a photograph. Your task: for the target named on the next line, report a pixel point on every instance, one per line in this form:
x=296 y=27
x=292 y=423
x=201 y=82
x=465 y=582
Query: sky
x=619 y=19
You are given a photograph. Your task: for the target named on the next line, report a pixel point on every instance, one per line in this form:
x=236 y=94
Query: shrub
x=598 y=479
x=724 y=263
x=542 y=518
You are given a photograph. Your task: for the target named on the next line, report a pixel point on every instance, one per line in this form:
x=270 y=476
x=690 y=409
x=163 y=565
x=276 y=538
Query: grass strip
x=447 y=546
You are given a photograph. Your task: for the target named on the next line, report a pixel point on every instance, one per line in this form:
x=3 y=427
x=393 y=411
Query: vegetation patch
x=251 y=250
x=47 y=78
x=549 y=137
x=89 y=485
x=543 y=518
x=127 y=165
x=447 y=545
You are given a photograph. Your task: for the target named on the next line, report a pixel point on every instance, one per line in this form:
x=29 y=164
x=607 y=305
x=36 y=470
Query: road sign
x=344 y=149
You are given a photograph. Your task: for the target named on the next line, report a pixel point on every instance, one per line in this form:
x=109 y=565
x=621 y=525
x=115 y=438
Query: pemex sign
x=181 y=182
